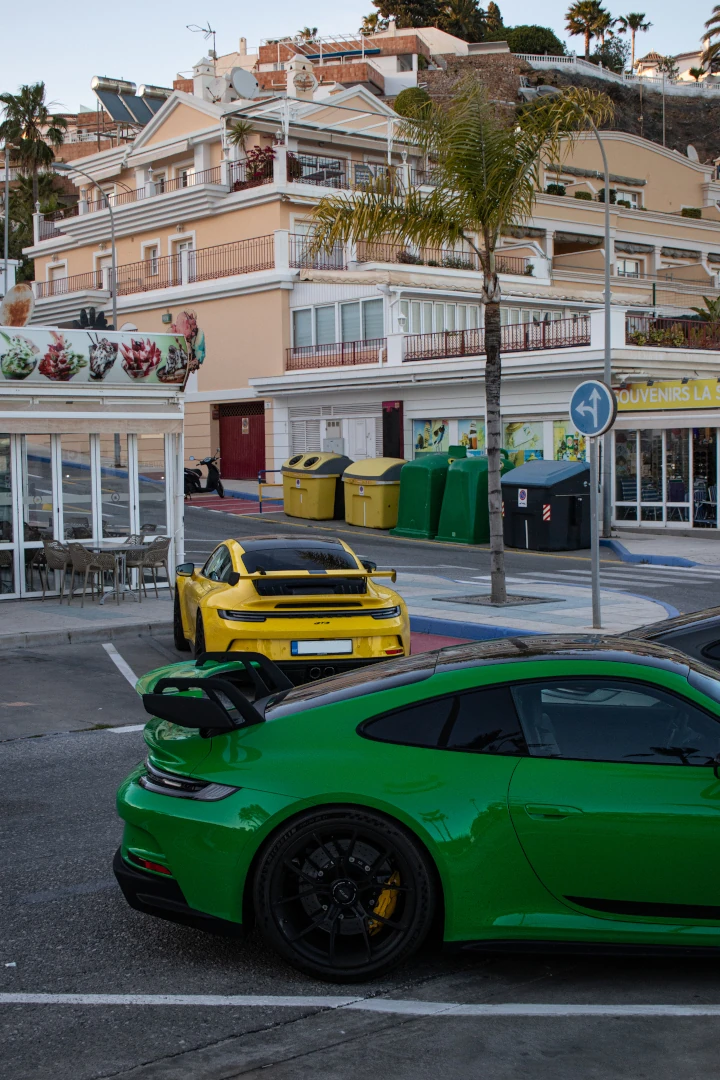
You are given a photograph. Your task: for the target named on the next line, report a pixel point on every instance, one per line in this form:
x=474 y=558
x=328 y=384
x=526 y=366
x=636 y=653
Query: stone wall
x=499 y=72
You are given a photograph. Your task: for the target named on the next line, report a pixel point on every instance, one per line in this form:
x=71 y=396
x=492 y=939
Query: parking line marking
x=391 y=1006
x=122 y=665
x=126 y=727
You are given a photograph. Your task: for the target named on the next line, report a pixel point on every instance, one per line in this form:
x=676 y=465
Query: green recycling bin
x=422 y=485
x=312 y=487
x=464 y=517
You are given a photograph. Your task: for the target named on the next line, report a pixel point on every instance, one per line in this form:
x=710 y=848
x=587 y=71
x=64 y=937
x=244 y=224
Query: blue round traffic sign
x=593 y=407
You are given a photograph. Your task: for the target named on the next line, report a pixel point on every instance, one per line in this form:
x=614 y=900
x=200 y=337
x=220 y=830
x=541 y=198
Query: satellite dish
x=244 y=83
x=127 y=326
x=692 y=153
x=18 y=305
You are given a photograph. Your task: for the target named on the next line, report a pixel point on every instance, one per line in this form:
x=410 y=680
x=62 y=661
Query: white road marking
x=390 y=1006
x=126 y=727
x=122 y=665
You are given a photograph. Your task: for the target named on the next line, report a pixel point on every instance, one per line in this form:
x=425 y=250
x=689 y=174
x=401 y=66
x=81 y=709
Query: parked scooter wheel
x=220 y=489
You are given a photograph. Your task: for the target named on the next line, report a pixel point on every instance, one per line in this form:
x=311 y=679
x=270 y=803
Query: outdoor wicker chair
x=91 y=563
x=57 y=557
x=151 y=558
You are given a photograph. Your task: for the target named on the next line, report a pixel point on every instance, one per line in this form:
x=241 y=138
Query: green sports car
x=521 y=790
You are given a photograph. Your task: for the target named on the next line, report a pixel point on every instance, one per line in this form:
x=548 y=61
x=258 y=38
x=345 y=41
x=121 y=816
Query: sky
x=148 y=41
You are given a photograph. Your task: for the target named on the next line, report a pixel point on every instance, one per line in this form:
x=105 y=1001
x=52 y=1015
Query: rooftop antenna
x=207 y=32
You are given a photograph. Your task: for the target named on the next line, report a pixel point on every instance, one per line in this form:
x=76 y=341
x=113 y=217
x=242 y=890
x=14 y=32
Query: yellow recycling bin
x=312 y=487
x=372 y=489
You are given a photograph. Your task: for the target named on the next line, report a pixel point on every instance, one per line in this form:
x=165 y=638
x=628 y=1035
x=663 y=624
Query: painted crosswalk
x=632 y=577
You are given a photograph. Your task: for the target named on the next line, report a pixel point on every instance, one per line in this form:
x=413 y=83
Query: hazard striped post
x=546 y=511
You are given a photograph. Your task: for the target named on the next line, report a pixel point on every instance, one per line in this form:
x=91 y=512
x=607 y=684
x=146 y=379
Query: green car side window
x=479 y=721
x=614 y=720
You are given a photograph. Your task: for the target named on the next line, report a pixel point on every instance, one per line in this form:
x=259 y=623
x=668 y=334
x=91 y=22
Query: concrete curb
x=424 y=624
x=42 y=638
x=654 y=560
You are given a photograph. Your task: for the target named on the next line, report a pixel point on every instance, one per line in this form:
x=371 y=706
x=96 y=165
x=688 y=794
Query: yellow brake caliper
x=387 y=902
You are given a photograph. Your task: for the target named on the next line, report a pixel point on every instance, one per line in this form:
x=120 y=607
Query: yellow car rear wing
x=259 y=575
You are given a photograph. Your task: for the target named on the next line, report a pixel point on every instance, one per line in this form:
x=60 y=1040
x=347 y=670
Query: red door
x=242 y=440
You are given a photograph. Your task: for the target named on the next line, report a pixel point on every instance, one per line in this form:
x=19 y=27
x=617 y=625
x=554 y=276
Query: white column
x=37 y=218
x=597 y=329
x=395 y=349
x=133 y=483
x=184 y=267
x=280 y=166
x=201 y=157
x=282 y=249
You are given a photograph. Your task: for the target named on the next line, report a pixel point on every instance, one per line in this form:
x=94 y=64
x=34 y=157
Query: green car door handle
x=548 y=811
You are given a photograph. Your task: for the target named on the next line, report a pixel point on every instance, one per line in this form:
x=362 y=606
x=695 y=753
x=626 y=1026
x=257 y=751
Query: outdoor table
x=121 y=551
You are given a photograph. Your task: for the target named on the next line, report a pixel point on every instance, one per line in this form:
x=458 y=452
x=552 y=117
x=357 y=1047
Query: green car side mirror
x=185 y=569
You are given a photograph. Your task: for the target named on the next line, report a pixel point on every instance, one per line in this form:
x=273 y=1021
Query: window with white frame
x=358 y=320
x=152 y=256
x=512 y=316
x=628 y=267
x=631 y=197
x=427 y=316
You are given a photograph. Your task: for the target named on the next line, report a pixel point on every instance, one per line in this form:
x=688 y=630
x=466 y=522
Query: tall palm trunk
x=632 y=50
x=35 y=187
x=587 y=44
x=493 y=373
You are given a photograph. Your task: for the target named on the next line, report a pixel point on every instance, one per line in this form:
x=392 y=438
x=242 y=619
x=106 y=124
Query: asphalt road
x=65 y=929
x=684 y=588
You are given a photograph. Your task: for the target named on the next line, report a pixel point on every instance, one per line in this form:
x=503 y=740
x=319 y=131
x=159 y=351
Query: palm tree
x=581 y=20
x=307 y=34
x=603 y=26
x=711 y=312
x=463 y=18
x=32 y=129
x=712 y=27
x=373 y=23
x=696 y=73
x=486 y=176
x=239 y=133
x=631 y=24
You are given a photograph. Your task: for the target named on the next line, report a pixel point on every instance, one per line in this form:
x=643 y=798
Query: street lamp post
x=607 y=359
x=6 y=217
x=61 y=166
x=553 y=91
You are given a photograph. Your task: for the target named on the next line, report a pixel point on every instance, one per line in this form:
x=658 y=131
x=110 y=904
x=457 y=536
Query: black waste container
x=546 y=506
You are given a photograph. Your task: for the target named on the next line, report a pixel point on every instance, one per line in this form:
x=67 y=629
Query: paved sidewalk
x=569 y=609
x=48 y=622
x=668 y=549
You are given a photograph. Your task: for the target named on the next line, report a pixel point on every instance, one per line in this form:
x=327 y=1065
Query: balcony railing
x=237 y=257
x=245 y=174
x=194 y=179
x=426 y=256
x=669 y=333
x=205 y=264
x=342 y=173
x=149 y=274
x=525 y=337
x=302 y=257
x=49 y=222
x=338 y=354
x=75 y=283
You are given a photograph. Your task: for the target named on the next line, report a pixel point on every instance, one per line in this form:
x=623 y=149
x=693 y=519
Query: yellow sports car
x=310 y=605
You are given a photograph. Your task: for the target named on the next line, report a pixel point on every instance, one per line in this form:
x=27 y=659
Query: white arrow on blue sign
x=593 y=408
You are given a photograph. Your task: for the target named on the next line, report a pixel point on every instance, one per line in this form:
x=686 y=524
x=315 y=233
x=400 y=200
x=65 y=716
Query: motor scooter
x=193 y=478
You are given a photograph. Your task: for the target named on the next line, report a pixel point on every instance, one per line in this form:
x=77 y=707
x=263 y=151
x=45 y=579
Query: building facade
x=90 y=443
x=382 y=346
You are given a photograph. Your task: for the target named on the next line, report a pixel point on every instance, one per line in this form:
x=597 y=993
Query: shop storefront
x=666 y=455
x=90 y=443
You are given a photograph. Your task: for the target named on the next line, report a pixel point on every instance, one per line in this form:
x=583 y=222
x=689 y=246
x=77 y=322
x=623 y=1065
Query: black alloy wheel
x=181 y=642
x=344 y=894
x=220 y=489
x=199 y=636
